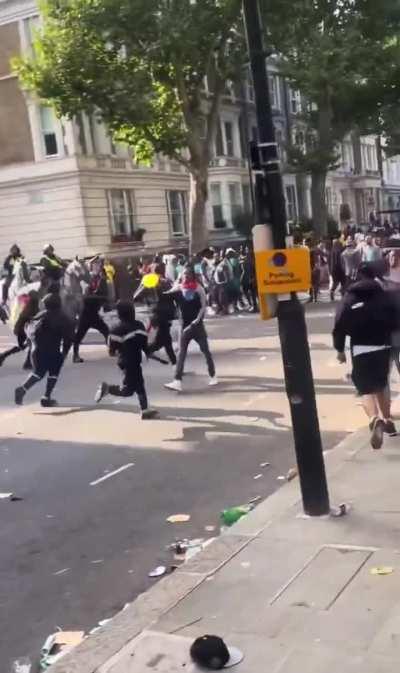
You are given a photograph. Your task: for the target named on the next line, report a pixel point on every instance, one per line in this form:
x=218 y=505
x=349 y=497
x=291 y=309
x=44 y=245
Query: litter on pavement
x=258 y=476
x=233 y=514
x=341 y=510
x=265 y=465
x=211 y=653
x=62 y=572
x=23 y=665
x=292 y=474
x=178 y=518
x=6 y=496
x=57 y=645
x=209 y=529
x=158 y=572
x=382 y=570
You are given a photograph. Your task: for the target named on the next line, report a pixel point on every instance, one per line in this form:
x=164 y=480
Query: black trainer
x=19 y=395
x=390 y=428
x=377 y=427
x=48 y=402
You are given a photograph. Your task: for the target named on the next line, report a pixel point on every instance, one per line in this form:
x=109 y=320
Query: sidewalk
x=296 y=595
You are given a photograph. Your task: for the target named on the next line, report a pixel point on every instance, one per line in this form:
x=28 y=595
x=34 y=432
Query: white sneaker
x=213 y=381
x=174 y=385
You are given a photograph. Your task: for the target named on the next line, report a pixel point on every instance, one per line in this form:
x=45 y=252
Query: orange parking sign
x=283 y=271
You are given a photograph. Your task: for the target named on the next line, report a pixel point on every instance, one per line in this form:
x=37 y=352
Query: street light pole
x=271 y=211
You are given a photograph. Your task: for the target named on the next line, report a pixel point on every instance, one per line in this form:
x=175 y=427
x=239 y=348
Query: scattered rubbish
x=258 y=476
x=265 y=465
x=212 y=653
x=292 y=474
x=57 y=645
x=50 y=516
x=158 y=572
x=62 y=572
x=111 y=474
x=301 y=604
x=263 y=358
x=97 y=561
x=6 y=496
x=233 y=514
x=341 y=510
x=210 y=579
x=281 y=478
x=382 y=570
x=178 y=518
x=209 y=529
x=245 y=564
x=23 y=665
x=256 y=498
x=103 y=622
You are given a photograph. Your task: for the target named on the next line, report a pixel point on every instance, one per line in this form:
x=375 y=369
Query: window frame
x=183 y=198
x=47 y=132
x=219 y=205
x=129 y=214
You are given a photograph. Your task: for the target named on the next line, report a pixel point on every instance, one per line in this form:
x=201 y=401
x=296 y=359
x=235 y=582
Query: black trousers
x=164 y=340
x=89 y=320
x=49 y=364
x=198 y=334
x=132 y=383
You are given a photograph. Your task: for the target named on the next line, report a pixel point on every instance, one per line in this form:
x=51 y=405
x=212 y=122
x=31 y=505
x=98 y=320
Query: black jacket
x=367 y=314
x=48 y=331
x=128 y=340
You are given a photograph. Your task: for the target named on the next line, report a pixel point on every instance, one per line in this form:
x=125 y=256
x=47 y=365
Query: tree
x=140 y=65
x=338 y=53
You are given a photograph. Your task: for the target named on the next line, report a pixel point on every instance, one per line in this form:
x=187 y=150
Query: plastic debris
x=158 y=572
x=97 y=561
x=382 y=570
x=258 y=476
x=263 y=465
x=58 y=645
x=341 y=510
x=281 y=478
x=62 y=572
x=256 y=498
x=245 y=564
x=209 y=529
x=178 y=518
x=233 y=514
x=292 y=474
x=23 y=665
x=6 y=496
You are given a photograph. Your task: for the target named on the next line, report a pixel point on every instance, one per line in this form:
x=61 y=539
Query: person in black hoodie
x=95 y=298
x=30 y=309
x=368 y=316
x=50 y=333
x=127 y=340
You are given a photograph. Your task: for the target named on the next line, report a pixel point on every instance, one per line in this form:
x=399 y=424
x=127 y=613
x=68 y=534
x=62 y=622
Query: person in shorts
x=368 y=315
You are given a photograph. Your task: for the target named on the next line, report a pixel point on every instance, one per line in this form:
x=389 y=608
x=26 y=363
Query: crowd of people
x=69 y=298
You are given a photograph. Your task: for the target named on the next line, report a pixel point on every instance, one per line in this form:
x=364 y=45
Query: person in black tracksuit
x=127 y=340
x=369 y=317
x=162 y=315
x=50 y=333
x=90 y=319
x=28 y=312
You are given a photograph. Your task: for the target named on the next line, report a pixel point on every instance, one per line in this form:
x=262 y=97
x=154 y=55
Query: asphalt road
x=72 y=553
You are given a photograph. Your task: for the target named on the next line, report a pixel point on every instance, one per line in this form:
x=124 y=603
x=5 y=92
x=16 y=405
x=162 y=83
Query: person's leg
x=40 y=365
x=27 y=366
x=200 y=336
x=98 y=323
x=6 y=354
x=184 y=342
x=166 y=340
x=376 y=424
x=5 y=289
x=83 y=327
x=55 y=367
x=147 y=412
x=383 y=402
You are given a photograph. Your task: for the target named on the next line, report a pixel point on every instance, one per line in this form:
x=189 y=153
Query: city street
x=77 y=547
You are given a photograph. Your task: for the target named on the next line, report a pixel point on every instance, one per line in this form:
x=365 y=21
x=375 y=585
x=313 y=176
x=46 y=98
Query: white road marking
x=111 y=474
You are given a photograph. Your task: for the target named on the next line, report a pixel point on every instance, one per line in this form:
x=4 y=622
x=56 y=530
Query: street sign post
x=283 y=271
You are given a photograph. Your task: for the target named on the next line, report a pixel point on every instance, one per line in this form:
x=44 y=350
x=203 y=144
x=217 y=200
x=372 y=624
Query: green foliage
x=139 y=66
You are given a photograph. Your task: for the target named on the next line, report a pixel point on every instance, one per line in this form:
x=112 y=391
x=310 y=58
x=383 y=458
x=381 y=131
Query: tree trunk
x=198 y=199
x=318 y=201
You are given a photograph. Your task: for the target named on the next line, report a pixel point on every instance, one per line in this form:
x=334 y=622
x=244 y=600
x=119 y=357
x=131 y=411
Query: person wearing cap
x=192 y=301
x=50 y=333
x=127 y=340
x=52 y=267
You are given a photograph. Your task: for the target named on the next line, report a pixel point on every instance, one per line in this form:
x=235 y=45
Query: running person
x=128 y=339
x=192 y=301
x=95 y=298
x=48 y=331
x=30 y=309
x=369 y=317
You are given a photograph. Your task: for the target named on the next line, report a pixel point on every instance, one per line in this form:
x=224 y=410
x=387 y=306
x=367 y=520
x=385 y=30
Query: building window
x=121 y=211
x=48 y=130
x=217 y=208
x=235 y=200
x=177 y=212
x=219 y=146
x=229 y=143
x=31 y=24
x=295 y=101
x=291 y=204
x=274 y=91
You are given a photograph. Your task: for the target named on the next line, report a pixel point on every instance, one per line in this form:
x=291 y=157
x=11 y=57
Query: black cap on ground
x=210 y=652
